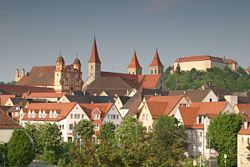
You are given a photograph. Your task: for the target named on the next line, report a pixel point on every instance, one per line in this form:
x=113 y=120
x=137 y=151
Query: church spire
x=94 y=58
x=156 y=66
x=134 y=66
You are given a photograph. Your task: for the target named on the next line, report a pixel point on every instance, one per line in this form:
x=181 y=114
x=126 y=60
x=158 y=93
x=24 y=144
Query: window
x=155 y=71
x=117 y=116
x=152 y=71
x=143 y=116
x=108 y=116
x=71 y=116
x=70 y=139
x=62 y=126
x=96 y=116
x=82 y=116
x=210 y=99
x=200 y=134
x=183 y=105
x=71 y=127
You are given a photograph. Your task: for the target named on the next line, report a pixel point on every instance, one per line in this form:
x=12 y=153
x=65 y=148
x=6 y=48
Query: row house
x=196 y=119
x=67 y=115
x=153 y=107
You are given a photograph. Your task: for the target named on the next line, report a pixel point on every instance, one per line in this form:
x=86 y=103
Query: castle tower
x=94 y=64
x=134 y=67
x=60 y=63
x=77 y=64
x=156 y=67
x=17 y=77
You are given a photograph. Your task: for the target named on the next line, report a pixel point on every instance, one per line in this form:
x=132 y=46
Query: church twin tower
x=134 y=67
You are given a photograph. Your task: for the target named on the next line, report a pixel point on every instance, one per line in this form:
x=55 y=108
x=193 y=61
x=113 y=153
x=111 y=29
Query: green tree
x=222 y=133
x=131 y=140
x=106 y=151
x=167 y=142
x=50 y=142
x=3 y=155
x=20 y=148
x=84 y=128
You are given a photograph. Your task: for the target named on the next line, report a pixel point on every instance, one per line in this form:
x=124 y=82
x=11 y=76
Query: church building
x=99 y=81
x=61 y=77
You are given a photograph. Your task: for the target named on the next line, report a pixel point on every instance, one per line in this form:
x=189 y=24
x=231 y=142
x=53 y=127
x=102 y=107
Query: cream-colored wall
x=9 y=103
x=5 y=135
x=198 y=65
x=210 y=95
x=242 y=152
x=134 y=71
x=94 y=69
x=182 y=101
x=113 y=111
x=145 y=118
x=155 y=70
x=63 y=99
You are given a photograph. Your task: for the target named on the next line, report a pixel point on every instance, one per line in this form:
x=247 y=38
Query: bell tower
x=94 y=64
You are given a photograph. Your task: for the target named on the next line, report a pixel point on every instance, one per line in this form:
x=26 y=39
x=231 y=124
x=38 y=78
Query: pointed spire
x=94 y=58
x=156 y=60
x=134 y=63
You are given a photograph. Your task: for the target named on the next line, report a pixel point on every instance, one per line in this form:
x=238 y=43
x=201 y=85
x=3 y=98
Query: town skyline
x=34 y=34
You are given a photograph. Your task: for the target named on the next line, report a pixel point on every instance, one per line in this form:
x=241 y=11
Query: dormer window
x=50 y=114
x=29 y=114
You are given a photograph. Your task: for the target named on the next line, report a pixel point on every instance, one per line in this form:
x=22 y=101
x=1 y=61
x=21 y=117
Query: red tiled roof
x=63 y=109
x=244 y=131
x=94 y=58
x=231 y=61
x=211 y=109
x=102 y=107
x=156 y=60
x=199 y=58
x=18 y=90
x=134 y=63
x=6 y=122
x=162 y=105
x=42 y=95
x=188 y=115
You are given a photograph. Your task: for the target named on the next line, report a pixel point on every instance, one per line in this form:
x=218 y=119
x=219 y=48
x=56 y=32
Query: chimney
x=245 y=124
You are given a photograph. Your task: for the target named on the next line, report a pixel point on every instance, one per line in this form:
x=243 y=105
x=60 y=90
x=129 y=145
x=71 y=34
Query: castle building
x=102 y=82
x=204 y=62
x=60 y=77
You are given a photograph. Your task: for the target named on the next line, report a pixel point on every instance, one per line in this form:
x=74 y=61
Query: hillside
x=235 y=80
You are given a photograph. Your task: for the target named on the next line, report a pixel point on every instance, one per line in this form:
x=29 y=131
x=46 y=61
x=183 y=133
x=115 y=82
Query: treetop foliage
x=237 y=80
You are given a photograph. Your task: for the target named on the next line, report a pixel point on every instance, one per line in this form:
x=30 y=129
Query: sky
x=33 y=33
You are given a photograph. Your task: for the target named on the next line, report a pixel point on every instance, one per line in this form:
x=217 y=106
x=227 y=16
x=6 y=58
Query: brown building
x=61 y=77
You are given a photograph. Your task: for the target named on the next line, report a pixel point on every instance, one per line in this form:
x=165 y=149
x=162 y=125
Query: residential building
x=7 y=126
x=153 y=107
x=65 y=115
x=197 y=129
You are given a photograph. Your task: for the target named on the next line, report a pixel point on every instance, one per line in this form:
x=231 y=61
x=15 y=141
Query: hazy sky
x=33 y=32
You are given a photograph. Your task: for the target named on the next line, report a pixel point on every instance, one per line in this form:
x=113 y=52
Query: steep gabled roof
x=134 y=63
x=133 y=103
x=94 y=57
x=189 y=115
x=156 y=60
x=162 y=105
x=102 y=107
x=39 y=76
x=244 y=108
x=6 y=122
x=211 y=109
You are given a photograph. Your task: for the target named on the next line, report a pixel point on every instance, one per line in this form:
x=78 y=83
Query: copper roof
x=134 y=63
x=156 y=60
x=94 y=58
